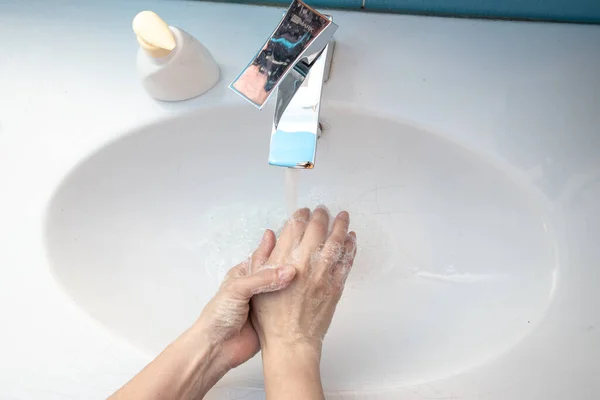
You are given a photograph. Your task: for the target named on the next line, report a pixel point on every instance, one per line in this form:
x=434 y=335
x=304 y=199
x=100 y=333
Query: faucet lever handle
x=292 y=48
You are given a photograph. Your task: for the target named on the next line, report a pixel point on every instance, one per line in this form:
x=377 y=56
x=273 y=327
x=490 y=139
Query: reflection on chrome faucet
x=298 y=29
x=295 y=60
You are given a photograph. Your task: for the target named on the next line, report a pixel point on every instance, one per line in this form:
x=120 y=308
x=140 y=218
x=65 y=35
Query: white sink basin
x=455 y=266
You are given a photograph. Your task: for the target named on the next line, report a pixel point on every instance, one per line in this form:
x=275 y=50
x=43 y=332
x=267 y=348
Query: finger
x=338 y=234
x=258 y=258
x=333 y=249
x=350 y=244
x=265 y=280
x=291 y=235
x=316 y=231
x=342 y=267
x=242 y=269
x=263 y=251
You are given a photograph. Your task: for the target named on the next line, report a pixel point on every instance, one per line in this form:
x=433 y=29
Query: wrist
x=292 y=371
x=287 y=351
x=202 y=366
x=292 y=346
x=197 y=342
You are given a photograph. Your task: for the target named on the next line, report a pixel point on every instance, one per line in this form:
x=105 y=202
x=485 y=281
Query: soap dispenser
x=173 y=65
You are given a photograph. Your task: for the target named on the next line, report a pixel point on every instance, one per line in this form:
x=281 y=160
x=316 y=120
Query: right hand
x=301 y=314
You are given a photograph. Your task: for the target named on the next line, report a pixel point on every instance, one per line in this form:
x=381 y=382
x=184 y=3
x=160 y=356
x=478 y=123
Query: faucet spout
x=295 y=60
x=296 y=120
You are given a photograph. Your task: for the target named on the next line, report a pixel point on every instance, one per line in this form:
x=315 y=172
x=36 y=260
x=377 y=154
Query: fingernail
x=344 y=215
x=286 y=272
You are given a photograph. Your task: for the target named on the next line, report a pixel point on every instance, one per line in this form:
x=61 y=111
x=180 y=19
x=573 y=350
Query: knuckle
x=227 y=284
x=341 y=228
x=298 y=224
x=332 y=252
x=338 y=237
x=233 y=286
x=238 y=270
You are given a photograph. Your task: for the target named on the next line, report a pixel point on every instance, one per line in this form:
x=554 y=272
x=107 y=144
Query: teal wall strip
x=582 y=11
x=344 y=4
x=545 y=10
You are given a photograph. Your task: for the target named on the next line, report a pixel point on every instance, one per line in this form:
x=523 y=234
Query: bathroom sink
x=456 y=261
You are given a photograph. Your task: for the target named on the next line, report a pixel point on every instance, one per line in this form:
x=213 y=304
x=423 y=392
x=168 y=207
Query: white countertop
x=524 y=95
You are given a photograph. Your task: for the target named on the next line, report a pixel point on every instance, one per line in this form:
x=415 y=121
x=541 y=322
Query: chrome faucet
x=295 y=60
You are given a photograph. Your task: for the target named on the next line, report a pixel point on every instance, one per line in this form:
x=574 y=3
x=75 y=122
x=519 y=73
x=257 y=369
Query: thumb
x=264 y=280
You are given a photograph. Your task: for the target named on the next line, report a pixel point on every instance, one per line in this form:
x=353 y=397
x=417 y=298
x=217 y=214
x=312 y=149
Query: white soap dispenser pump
x=173 y=65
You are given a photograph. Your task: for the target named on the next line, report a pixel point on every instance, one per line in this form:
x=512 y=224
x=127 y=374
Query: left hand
x=301 y=315
x=225 y=319
x=221 y=339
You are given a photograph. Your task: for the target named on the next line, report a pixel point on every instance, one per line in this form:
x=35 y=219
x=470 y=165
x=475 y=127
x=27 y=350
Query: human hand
x=300 y=315
x=224 y=322
x=222 y=338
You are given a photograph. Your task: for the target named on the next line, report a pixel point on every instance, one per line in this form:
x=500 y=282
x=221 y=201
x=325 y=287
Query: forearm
x=292 y=372
x=186 y=369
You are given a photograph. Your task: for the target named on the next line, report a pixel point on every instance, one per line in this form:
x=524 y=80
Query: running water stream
x=291 y=190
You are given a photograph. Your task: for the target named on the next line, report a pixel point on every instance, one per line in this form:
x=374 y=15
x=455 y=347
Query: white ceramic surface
x=469 y=161
x=188 y=71
x=141 y=233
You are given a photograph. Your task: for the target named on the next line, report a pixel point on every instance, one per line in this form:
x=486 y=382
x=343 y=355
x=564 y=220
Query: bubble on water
x=376 y=250
x=234 y=231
